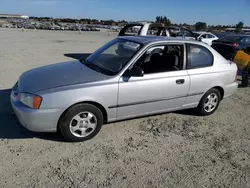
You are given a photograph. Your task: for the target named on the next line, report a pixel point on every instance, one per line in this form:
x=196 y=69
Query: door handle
x=180 y=81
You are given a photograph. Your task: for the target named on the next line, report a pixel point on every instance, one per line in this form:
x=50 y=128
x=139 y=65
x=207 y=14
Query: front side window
x=113 y=56
x=203 y=36
x=209 y=36
x=187 y=33
x=162 y=58
x=198 y=56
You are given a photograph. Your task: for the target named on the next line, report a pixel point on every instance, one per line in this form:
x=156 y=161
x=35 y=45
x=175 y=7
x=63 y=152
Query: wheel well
x=99 y=106
x=221 y=90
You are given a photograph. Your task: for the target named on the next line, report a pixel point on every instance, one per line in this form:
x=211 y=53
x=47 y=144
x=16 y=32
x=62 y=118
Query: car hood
x=57 y=75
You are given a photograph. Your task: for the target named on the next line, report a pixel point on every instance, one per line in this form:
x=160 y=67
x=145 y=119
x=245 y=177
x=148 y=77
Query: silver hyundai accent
x=128 y=77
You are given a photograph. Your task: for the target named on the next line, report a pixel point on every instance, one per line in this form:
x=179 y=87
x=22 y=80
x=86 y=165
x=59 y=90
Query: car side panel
x=62 y=98
x=208 y=41
x=203 y=79
x=151 y=94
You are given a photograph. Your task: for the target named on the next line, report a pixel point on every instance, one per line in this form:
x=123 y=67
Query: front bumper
x=36 y=120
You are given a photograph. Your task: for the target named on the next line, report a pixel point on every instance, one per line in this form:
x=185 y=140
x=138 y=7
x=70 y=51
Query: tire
x=81 y=122
x=203 y=107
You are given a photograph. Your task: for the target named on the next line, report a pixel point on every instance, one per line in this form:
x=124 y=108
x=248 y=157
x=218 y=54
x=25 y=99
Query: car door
x=204 y=38
x=201 y=71
x=209 y=38
x=152 y=93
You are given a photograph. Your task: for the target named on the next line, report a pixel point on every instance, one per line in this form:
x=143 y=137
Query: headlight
x=30 y=100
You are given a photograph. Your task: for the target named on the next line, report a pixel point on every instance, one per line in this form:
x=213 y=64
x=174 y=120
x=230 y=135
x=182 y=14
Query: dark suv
x=229 y=45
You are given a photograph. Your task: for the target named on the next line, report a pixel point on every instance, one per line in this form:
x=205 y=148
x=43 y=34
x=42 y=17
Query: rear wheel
x=209 y=102
x=81 y=122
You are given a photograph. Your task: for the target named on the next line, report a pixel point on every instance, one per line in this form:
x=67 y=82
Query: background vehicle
x=181 y=32
x=229 y=45
x=205 y=37
x=157 y=29
x=141 y=29
x=123 y=79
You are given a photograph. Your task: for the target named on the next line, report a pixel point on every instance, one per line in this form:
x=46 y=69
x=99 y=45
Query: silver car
x=128 y=77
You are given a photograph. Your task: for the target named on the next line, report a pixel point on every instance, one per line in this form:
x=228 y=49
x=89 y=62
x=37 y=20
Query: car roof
x=232 y=36
x=139 y=23
x=238 y=35
x=201 y=32
x=151 y=39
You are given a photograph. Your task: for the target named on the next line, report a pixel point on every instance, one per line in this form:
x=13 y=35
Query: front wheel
x=209 y=102
x=81 y=122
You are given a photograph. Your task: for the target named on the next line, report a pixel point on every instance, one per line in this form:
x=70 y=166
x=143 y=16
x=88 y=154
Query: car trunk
x=226 y=48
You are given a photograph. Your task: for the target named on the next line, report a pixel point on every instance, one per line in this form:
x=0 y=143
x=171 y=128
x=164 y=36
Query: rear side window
x=198 y=56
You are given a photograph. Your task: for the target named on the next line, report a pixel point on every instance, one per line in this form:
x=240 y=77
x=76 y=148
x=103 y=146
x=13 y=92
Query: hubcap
x=211 y=102
x=83 y=124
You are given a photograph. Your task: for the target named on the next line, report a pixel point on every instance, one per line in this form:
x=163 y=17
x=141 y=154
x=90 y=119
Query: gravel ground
x=176 y=149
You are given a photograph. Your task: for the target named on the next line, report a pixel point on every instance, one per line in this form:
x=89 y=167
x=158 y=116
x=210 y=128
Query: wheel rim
x=83 y=124
x=211 y=102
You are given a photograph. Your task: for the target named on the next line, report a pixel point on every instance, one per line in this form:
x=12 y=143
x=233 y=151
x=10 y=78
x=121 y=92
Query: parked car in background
x=156 y=29
x=142 y=29
x=221 y=34
x=123 y=79
x=181 y=32
x=205 y=37
x=229 y=45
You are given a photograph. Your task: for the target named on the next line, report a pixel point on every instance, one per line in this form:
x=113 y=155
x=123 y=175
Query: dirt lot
x=171 y=150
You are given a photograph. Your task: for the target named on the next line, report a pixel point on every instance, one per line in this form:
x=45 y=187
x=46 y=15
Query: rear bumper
x=230 y=89
x=41 y=120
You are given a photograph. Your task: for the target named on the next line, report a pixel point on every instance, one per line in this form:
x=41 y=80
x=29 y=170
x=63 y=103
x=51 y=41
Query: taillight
x=235 y=45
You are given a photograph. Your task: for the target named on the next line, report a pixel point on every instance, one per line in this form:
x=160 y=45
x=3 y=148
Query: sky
x=213 y=12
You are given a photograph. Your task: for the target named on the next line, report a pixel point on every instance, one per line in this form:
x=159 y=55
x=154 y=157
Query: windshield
x=113 y=56
x=197 y=34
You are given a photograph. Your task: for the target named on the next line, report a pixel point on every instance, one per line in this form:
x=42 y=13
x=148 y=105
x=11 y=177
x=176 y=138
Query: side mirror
x=134 y=72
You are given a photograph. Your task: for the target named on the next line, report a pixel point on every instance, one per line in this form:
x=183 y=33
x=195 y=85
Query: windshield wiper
x=91 y=65
x=82 y=61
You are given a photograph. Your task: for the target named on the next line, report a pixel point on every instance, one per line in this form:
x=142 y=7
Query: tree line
x=199 y=26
